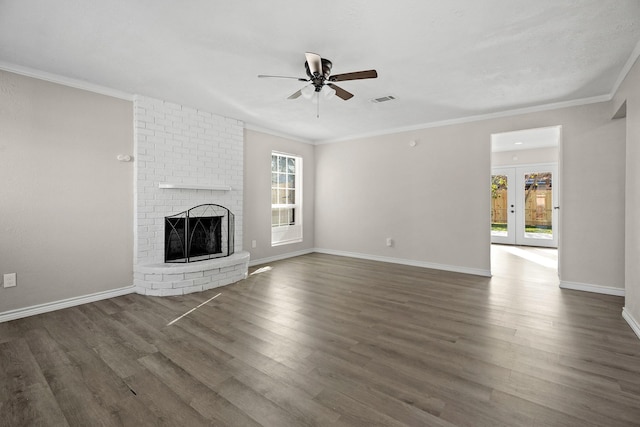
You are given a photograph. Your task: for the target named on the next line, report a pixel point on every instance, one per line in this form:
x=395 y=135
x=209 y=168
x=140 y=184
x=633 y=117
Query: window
x=286 y=199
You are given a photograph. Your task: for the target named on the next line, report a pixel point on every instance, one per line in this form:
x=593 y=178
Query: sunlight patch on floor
x=262 y=270
x=538 y=259
x=192 y=310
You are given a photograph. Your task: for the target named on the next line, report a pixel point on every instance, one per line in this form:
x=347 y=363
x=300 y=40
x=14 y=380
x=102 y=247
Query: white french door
x=524 y=202
x=503 y=205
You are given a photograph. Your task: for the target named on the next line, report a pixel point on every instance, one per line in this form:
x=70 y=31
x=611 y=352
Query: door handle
x=556 y=207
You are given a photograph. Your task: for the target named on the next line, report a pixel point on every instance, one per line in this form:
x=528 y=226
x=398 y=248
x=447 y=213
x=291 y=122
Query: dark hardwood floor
x=325 y=340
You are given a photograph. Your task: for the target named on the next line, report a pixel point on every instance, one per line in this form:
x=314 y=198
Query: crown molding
x=635 y=53
x=480 y=117
x=65 y=81
x=278 y=134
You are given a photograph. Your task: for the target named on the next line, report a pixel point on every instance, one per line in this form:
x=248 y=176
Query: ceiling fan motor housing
x=319 y=79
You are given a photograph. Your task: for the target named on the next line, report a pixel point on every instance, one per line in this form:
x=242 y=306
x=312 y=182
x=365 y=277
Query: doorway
x=524 y=187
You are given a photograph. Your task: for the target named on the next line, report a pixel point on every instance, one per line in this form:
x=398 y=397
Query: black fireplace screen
x=202 y=232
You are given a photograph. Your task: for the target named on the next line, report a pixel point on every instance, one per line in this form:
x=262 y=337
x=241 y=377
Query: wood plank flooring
x=320 y=340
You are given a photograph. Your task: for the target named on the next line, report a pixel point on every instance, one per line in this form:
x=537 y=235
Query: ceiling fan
x=320 y=79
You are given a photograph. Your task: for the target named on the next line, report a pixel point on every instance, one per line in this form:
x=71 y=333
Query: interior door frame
x=560 y=194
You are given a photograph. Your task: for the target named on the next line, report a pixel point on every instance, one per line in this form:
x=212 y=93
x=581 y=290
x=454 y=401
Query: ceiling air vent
x=383 y=99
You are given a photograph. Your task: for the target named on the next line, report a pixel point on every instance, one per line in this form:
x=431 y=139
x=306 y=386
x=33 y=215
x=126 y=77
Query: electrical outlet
x=253 y=244
x=10 y=280
x=389 y=241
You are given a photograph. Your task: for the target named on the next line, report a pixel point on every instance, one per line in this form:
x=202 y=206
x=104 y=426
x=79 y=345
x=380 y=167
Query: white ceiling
x=443 y=61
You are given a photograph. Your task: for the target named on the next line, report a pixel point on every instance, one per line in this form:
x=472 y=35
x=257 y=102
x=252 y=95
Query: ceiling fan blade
x=341 y=92
x=300 y=79
x=315 y=63
x=295 y=94
x=357 y=75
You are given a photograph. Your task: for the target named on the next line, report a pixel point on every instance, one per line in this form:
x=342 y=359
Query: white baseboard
x=414 y=263
x=279 y=257
x=587 y=287
x=635 y=325
x=65 y=303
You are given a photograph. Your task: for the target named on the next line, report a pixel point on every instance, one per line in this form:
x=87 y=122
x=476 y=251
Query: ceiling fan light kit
x=307 y=91
x=320 y=80
x=328 y=92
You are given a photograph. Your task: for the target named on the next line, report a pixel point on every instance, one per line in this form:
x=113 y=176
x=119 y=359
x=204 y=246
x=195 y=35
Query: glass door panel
x=537 y=195
x=503 y=206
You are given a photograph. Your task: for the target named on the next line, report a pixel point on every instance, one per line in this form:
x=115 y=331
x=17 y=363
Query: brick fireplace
x=184 y=158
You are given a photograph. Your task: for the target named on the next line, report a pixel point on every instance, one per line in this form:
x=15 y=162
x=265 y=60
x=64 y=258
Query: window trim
x=297 y=228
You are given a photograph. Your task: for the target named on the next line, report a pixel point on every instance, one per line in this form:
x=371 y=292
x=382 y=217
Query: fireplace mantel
x=168 y=185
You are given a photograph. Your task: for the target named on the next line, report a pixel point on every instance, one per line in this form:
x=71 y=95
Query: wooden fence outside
x=537 y=213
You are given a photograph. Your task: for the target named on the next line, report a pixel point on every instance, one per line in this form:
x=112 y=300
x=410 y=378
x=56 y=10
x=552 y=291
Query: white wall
x=433 y=199
x=66 y=211
x=630 y=92
x=257 y=201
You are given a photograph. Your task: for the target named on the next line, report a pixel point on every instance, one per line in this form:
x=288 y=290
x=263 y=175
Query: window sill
x=286 y=242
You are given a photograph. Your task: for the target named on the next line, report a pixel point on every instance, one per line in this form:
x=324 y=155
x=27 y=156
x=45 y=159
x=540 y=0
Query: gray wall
x=257 y=194
x=433 y=199
x=630 y=92
x=66 y=212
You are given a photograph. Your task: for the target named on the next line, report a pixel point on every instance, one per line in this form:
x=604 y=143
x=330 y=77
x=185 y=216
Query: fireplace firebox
x=200 y=233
